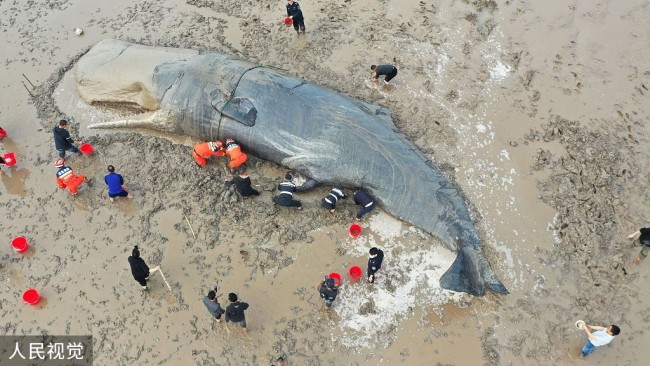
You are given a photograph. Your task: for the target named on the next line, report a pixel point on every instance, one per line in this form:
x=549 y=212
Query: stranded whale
x=329 y=137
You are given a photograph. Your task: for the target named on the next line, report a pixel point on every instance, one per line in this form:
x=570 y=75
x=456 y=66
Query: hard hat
x=59 y=163
x=229 y=140
x=219 y=143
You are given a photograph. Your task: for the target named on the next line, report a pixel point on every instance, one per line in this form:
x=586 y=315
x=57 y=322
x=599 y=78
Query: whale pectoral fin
x=149 y=120
x=308 y=185
x=471 y=273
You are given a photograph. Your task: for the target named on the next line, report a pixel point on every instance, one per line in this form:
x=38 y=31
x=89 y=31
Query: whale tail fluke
x=472 y=274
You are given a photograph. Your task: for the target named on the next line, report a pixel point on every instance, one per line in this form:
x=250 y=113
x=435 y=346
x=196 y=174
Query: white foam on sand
x=409 y=278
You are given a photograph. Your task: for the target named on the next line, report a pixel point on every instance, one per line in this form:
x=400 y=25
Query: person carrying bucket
x=364 y=200
x=62 y=140
x=328 y=291
x=115 y=184
x=332 y=198
x=139 y=268
x=237 y=157
x=205 y=150
x=374 y=262
x=66 y=178
x=295 y=13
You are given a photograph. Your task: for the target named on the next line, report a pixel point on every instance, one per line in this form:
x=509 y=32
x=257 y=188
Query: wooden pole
x=190 y=225
x=164 y=279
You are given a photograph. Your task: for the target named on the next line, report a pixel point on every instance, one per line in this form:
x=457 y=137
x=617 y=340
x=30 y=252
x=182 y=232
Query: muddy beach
x=537 y=111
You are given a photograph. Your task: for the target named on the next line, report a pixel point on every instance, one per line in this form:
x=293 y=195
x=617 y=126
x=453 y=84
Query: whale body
x=328 y=137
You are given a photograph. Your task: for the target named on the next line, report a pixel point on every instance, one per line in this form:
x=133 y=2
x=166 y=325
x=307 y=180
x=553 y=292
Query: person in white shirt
x=598 y=336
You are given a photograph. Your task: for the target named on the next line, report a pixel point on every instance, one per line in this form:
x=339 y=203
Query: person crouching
x=66 y=178
x=332 y=198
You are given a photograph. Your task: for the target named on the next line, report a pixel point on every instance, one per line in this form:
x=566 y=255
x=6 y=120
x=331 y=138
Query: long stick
x=190 y=225
x=164 y=279
x=30 y=83
x=30 y=93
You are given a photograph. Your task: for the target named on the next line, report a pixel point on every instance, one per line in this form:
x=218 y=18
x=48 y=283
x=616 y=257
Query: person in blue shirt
x=367 y=203
x=115 y=184
x=295 y=13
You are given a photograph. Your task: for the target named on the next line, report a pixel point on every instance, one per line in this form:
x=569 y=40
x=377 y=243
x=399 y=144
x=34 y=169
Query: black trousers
x=391 y=75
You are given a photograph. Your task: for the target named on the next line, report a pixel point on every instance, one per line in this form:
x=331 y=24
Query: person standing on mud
x=243 y=184
x=210 y=301
x=389 y=71
x=139 y=268
x=601 y=337
x=62 y=140
x=332 y=198
x=364 y=200
x=285 y=198
x=643 y=241
x=115 y=184
x=66 y=178
x=235 y=311
x=328 y=291
x=295 y=13
x=374 y=262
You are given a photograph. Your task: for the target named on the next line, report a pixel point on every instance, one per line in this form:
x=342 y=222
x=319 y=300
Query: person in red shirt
x=66 y=178
x=206 y=150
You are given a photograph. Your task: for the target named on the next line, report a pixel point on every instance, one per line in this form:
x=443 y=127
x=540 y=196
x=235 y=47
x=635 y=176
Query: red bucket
x=20 y=244
x=31 y=296
x=355 y=273
x=9 y=158
x=288 y=21
x=86 y=149
x=336 y=277
x=355 y=231
x=3 y=133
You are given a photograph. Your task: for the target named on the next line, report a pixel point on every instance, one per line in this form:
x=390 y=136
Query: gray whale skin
x=329 y=137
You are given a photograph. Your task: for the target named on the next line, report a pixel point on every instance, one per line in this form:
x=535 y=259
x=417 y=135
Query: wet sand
x=537 y=111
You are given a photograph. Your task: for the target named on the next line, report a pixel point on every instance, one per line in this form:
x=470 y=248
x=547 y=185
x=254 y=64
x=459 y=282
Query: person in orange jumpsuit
x=237 y=157
x=66 y=178
x=206 y=150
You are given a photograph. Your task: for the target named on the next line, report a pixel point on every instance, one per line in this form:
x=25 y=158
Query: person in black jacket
x=235 y=311
x=62 y=139
x=362 y=198
x=139 y=268
x=374 y=262
x=243 y=184
x=328 y=291
x=389 y=71
x=295 y=13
